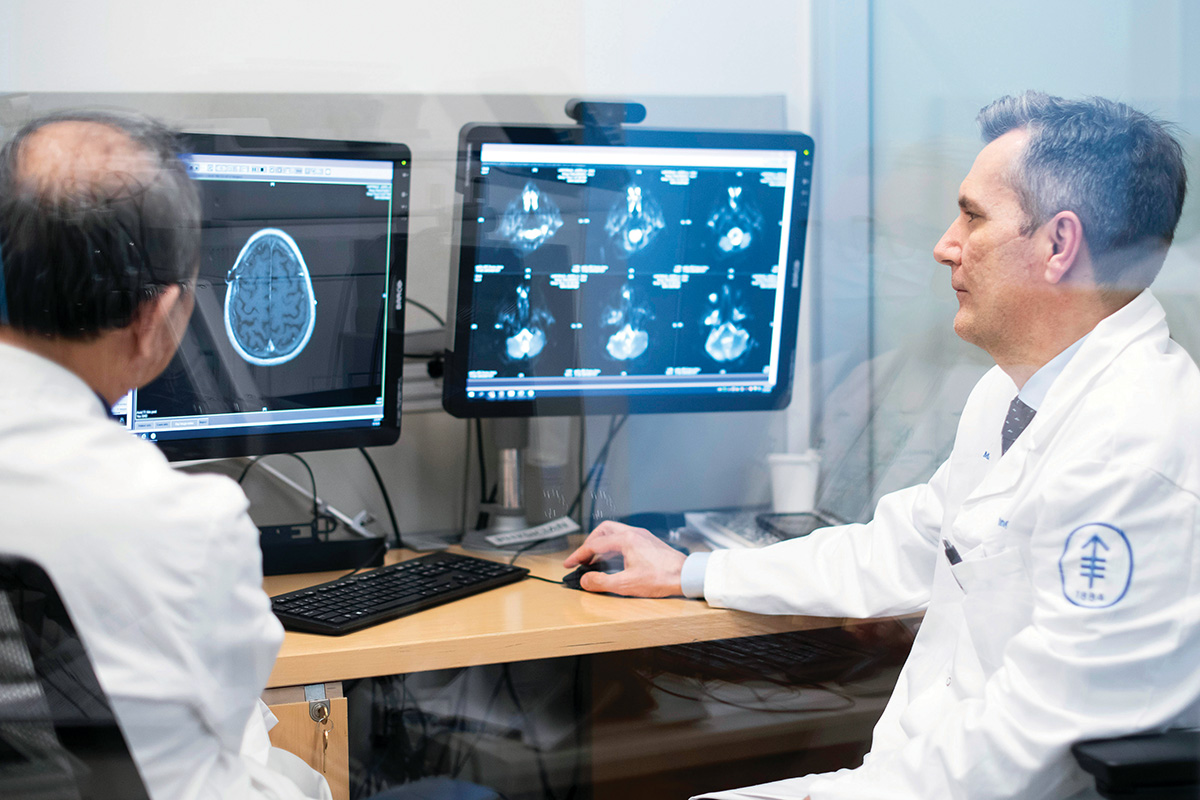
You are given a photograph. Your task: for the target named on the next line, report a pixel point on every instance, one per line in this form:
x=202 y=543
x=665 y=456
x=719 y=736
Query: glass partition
x=888 y=90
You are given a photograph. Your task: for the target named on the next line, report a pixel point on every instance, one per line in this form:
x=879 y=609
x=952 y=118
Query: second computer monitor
x=626 y=270
x=295 y=341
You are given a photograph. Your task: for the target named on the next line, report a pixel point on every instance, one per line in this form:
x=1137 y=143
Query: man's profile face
x=993 y=268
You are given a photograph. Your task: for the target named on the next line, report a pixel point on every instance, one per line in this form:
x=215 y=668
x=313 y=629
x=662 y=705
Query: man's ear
x=1064 y=233
x=152 y=326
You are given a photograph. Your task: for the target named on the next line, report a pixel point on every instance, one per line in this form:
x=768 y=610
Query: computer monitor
x=296 y=339
x=622 y=270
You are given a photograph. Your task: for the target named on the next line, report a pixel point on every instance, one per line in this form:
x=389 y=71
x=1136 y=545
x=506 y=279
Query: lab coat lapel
x=1007 y=471
x=979 y=464
x=1139 y=318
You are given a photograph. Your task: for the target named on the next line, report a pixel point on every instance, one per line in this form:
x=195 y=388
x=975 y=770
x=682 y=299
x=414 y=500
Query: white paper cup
x=794 y=481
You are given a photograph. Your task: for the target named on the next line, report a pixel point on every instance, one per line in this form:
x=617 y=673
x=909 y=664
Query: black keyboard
x=381 y=594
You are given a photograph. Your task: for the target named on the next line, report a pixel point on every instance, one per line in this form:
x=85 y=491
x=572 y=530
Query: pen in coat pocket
x=954 y=558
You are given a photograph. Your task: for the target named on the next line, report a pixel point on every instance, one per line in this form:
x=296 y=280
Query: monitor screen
x=628 y=270
x=295 y=341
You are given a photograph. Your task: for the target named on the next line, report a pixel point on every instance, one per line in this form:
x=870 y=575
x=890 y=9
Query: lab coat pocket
x=997 y=602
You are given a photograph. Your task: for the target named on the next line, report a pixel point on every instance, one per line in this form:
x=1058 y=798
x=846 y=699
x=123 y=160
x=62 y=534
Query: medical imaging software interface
x=289 y=327
x=621 y=270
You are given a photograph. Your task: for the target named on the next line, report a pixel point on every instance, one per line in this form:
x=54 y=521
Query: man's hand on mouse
x=652 y=566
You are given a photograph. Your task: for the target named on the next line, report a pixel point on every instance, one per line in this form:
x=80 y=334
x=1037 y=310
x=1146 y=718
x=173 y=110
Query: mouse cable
x=520 y=551
x=379 y=551
x=524 y=549
x=547 y=580
x=387 y=500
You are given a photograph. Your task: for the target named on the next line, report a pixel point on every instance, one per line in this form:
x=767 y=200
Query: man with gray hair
x=1055 y=551
x=160 y=571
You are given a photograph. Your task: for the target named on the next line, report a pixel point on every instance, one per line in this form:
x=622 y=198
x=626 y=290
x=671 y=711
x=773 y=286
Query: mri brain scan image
x=629 y=318
x=524 y=328
x=270 y=308
x=734 y=222
x=727 y=339
x=633 y=222
x=530 y=219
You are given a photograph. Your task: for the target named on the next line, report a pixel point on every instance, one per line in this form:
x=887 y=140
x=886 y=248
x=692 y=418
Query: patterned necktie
x=1019 y=416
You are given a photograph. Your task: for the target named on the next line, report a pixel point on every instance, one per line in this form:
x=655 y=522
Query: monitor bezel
x=473 y=136
x=388 y=431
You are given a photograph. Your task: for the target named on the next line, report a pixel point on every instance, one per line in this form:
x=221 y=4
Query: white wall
x=416 y=72
x=669 y=47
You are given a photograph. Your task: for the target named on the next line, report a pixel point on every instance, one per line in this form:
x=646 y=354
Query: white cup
x=794 y=481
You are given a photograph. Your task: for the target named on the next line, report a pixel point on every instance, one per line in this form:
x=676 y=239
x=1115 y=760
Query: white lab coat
x=1075 y=612
x=162 y=575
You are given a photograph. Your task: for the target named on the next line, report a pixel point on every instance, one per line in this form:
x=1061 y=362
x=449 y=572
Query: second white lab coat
x=1075 y=611
x=162 y=575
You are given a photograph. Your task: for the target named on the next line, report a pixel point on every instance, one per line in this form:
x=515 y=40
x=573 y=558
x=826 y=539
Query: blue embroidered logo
x=1002 y=522
x=1096 y=566
x=987 y=456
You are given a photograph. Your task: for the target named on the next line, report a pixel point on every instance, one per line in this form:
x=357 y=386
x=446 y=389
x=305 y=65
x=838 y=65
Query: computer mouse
x=609 y=565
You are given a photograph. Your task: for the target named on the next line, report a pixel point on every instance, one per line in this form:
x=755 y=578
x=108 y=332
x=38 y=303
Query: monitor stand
x=511 y=437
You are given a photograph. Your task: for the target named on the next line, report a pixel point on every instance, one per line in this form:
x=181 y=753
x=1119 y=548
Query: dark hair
x=1121 y=171
x=81 y=257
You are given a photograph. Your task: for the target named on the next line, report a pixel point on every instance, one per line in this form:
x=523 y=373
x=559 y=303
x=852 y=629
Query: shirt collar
x=107 y=408
x=1033 y=393
x=24 y=368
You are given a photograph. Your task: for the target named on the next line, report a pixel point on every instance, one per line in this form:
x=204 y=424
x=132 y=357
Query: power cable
x=437 y=317
x=387 y=499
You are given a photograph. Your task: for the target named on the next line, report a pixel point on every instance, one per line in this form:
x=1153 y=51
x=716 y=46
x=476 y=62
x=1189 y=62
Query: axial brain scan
x=633 y=222
x=524 y=328
x=628 y=316
x=727 y=339
x=270 y=308
x=530 y=219
x=734 y=222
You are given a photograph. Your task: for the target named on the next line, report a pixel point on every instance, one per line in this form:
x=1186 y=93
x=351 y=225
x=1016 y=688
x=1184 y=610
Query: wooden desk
x=523 y=621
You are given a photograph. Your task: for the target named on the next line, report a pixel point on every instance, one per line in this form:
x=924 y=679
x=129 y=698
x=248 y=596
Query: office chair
x=59 y=739
x=1151 y=766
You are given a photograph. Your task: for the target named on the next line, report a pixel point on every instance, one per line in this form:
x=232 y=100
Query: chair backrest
x=1146 y=766
x=59 y=738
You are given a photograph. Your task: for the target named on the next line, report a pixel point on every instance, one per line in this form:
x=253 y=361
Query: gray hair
x=81 y=256
x=1120 y=170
